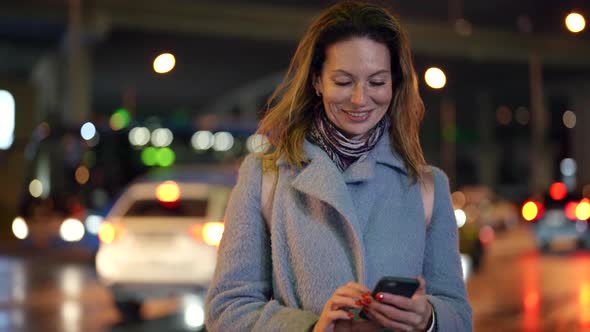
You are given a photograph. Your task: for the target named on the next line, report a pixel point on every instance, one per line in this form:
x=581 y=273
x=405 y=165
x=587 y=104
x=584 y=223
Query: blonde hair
x=290 y=107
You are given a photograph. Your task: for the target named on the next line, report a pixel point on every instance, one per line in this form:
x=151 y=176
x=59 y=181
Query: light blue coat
x=329 y=228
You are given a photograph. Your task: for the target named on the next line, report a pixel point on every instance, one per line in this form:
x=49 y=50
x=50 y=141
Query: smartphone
x=394 y=285
x=397 y=285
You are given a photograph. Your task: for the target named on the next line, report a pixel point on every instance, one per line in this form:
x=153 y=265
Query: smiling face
x=356 y=84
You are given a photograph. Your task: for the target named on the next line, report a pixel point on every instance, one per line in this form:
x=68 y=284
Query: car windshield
x=180 y=208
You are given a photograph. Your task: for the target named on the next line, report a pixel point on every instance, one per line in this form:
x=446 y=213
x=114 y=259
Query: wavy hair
x=290 y=108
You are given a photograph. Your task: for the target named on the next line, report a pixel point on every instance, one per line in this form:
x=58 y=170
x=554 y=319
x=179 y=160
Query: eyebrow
x=342 y=71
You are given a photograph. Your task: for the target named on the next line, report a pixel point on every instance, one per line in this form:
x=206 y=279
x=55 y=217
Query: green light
x=149 y=156
x=165 y=157
x=89 y=158
x=120 y=119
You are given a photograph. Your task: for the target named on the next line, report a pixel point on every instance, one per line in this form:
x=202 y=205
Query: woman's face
x=356 y=84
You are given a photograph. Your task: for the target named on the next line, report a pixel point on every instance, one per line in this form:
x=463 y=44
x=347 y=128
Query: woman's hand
x=401 y=313
x=337 y=308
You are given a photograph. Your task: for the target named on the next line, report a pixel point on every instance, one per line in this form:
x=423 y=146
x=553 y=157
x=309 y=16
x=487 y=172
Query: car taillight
x=583 y=209
x=532 y=210
x=109 y=232
x=570 y=210
x=210 y=232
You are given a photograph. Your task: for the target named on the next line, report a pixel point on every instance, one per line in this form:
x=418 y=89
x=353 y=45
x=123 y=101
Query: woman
x=346 y=204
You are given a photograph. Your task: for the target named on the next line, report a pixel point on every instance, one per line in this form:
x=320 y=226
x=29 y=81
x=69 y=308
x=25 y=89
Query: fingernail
x=359 y=303
x=379 y=297
x=366 y=294
x=350 y=315
x=367 y=300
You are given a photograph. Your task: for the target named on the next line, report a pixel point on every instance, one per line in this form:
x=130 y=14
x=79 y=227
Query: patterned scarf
x=341 y=149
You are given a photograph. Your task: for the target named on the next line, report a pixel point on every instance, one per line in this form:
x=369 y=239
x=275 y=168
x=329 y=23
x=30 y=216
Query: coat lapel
x=321 y=179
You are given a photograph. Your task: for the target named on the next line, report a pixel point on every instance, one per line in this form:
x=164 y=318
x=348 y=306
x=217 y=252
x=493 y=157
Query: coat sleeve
x=442 y=264
x=240 y=295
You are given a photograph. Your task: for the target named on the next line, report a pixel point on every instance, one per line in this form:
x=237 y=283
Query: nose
x=359 y=95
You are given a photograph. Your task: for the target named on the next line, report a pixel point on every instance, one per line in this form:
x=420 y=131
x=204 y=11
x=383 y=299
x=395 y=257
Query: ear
x=317 y=84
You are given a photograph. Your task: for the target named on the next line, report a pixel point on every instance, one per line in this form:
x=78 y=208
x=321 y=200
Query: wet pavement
x=517 y=289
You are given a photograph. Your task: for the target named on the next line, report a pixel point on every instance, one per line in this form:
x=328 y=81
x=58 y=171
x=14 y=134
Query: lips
x=357 y=115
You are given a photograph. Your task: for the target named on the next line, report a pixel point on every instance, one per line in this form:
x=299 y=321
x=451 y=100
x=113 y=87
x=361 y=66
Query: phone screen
x=397 y=285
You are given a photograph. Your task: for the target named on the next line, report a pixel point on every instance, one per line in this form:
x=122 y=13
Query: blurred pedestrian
x=346 y=206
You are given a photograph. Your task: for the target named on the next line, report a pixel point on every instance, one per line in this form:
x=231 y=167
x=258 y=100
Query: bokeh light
x=458 y=199
x=569 y=119
x=139 y=136
x=120 y=119
x=568 y=167
x=557 y=191
x=20 y=228
x=87 y=131
x=36 y=188
x=460 y=217
x=223 y=141
x=257 y=143
x=7 y=119
x=149 y=156
x=575 y=22
x=504 y=115
x=202 y=140
x=435 y=78
x=522 y=115
x=165 y=157
x=168 y=192
x=82 y=174
x=71 y=230
x=164 y=63
x=162 y=137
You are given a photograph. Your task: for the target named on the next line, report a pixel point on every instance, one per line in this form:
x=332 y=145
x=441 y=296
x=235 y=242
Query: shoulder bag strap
x=427 y=189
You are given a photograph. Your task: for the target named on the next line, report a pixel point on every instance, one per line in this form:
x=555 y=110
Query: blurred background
x=114 y=114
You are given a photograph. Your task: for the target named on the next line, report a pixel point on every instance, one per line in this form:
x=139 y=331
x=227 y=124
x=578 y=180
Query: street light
x=164 y=63
x=575 y=22
x=435 y=78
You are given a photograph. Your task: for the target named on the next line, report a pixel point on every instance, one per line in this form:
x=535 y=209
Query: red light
x=570 y=210
x=557 y=191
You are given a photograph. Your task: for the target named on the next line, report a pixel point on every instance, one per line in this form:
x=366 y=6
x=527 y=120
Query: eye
x=342 y=83
x=377 y=83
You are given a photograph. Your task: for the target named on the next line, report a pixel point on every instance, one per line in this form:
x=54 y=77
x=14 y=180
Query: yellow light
x=107 y=232
x=435 y=78
x=583 y=209
x=212 y=233
x=575 y=22
x=164 y=63
x=529 y=211
x=168 y=192
x=82 y=174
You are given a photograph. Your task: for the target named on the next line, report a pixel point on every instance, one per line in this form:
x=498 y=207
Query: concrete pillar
x=488 y=150
x=449 y=136
x=540 y=164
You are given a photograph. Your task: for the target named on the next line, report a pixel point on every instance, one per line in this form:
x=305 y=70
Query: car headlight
x=20 y=228
x=71 y=230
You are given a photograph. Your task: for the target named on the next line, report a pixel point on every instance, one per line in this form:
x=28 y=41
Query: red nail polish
x=350 y=315
x=367 y=300
x=379 y=297
x=359 y=303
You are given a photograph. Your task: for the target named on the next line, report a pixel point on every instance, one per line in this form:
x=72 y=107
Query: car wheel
x=130 y=310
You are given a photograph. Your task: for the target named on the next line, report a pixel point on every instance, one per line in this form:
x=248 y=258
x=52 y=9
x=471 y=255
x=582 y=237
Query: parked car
x=161 y=238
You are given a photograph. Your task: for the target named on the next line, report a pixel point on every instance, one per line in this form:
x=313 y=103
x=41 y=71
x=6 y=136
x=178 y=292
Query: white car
x=160 y=239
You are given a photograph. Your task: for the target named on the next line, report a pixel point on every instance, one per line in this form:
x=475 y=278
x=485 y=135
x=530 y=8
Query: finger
x=422 y=288
x=399 y=301
x=339 y=314
x=391 y=312
x=388 y=322
x=339 y=301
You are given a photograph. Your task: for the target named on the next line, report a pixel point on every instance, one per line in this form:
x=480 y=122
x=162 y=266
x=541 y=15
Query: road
x=518 y=289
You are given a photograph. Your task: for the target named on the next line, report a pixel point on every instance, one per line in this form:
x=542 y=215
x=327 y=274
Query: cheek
x=335 y=96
